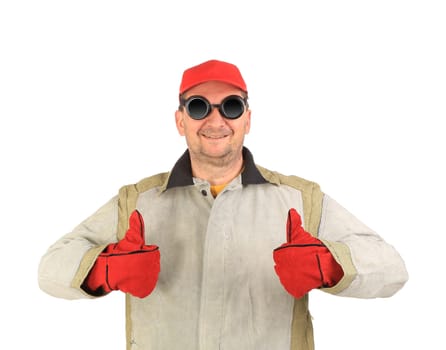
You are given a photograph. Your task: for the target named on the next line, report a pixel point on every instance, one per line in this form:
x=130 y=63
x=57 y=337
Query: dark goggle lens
x=197 y=108
x=232 y=107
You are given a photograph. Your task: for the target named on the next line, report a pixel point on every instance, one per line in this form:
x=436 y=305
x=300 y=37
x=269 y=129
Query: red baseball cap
x=212 y=70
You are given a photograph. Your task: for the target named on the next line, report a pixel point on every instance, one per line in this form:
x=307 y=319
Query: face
x=214 y=139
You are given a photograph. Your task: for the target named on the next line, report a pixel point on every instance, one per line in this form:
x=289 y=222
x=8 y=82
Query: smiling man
x=234 y=248
x=215 y=142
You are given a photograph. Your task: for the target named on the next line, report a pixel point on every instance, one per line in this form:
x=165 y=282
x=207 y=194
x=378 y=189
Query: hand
x=304 y=262
x=129 y=265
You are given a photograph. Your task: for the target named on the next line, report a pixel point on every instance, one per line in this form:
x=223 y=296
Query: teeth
x=214 y=136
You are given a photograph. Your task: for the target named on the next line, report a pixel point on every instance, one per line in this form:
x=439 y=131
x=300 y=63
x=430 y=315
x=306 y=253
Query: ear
x=179 y=121
x=248 y=122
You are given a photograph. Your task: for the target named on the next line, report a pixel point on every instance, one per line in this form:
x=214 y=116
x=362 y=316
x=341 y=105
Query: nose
x=215 y=118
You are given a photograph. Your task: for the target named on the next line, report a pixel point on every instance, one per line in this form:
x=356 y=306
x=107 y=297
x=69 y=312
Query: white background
x=350 y=94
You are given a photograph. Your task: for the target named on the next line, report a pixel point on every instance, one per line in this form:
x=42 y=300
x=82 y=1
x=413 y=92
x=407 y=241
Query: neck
x=217 y=172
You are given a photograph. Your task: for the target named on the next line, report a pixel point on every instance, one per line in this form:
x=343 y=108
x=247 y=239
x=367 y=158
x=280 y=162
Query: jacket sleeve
x=372 y=267
x=67 y=262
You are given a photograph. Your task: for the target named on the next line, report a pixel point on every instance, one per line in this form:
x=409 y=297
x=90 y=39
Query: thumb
x=134 y=237
x=293 y=225
x=296 y=234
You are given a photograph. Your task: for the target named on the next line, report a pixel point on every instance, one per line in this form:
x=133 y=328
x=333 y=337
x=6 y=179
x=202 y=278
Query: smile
x=215 y=137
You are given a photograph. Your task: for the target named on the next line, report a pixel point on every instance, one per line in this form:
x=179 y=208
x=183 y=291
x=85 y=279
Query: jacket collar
x=181 y=174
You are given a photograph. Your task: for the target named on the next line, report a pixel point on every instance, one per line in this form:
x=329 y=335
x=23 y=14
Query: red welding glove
x=304 y=262
x=129 y=265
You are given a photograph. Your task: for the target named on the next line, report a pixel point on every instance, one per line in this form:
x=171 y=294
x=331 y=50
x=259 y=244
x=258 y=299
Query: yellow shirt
x=216 y=189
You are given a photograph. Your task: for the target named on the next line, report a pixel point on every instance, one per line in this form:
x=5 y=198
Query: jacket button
x=204 y=193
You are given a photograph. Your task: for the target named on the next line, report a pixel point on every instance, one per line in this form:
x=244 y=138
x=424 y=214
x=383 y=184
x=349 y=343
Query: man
x=234 y=248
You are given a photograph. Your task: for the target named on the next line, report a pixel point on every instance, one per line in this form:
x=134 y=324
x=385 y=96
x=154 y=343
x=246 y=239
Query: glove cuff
x=96 y=282
x=331 y=270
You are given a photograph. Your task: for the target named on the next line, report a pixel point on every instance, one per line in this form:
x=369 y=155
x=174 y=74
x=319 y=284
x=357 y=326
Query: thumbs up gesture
x=128 y=265
x=304 y=263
